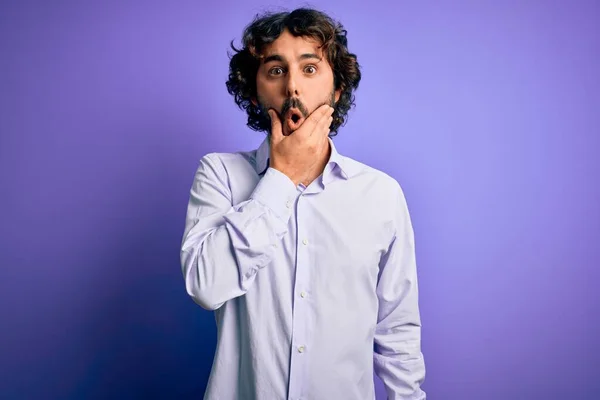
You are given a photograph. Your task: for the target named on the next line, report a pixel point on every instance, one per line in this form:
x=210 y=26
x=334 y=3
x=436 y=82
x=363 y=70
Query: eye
x=276 y=71
x=311 y=69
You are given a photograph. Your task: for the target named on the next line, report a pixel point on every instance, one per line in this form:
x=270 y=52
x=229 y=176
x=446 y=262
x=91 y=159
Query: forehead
x=289 y=46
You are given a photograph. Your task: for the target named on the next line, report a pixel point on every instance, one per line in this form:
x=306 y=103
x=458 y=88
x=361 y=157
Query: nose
x=292 y=86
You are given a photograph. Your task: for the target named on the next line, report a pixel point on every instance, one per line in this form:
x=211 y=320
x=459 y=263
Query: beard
x=290 y=102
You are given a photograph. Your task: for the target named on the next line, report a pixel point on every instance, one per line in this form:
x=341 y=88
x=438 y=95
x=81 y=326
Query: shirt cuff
x=276 y=191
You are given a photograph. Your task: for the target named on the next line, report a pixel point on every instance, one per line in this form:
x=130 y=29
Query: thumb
x=276 y=130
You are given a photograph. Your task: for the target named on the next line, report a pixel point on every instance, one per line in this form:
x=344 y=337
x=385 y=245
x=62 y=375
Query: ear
x=253 y=101
x=338 y=93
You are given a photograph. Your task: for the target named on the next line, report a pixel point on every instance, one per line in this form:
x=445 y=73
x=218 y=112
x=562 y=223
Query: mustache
x=293 y=102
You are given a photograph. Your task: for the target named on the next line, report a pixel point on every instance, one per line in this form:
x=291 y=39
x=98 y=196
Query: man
x=306 y=256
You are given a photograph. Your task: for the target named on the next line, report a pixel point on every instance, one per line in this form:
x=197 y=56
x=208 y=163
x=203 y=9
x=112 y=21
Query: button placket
x=301 y=307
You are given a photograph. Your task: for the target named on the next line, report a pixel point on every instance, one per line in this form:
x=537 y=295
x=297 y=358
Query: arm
x=225 y=245
x=398 y=360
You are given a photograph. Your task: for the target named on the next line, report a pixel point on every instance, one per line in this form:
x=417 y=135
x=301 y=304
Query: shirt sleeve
x=398 y=360
x=224 y=245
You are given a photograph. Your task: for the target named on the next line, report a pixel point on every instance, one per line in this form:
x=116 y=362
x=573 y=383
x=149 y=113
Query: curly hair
x=265 y=29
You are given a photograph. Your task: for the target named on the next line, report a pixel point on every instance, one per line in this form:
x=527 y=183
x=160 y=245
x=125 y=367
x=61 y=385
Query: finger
x=323 y=127
x=316 y=116
x=323 y=137
x=313 y=125
x=320 y=134
x=328 y=130
x=327 y=123
x=323 y=112
x=276 y=129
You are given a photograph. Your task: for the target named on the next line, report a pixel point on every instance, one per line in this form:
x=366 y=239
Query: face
x=294 y=78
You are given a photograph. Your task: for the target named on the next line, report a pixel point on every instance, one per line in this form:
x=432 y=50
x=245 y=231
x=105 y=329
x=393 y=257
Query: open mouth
x=294 y=119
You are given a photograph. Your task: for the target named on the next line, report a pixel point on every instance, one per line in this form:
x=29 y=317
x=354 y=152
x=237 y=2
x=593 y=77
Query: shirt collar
x=344 y=167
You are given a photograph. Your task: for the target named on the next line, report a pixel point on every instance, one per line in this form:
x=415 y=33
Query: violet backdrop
x=487 y=113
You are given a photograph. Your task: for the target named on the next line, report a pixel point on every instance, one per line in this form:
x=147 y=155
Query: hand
x=300 y=155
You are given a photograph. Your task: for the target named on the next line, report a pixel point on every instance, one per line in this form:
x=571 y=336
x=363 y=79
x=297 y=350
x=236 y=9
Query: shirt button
x=303 y=294
x=288 y=204
x=301 y=349
x=305 y=241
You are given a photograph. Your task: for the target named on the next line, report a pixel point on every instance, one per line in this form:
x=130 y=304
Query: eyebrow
x=277 y=57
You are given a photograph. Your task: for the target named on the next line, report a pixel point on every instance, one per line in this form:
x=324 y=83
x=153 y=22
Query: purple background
x=488 y=115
